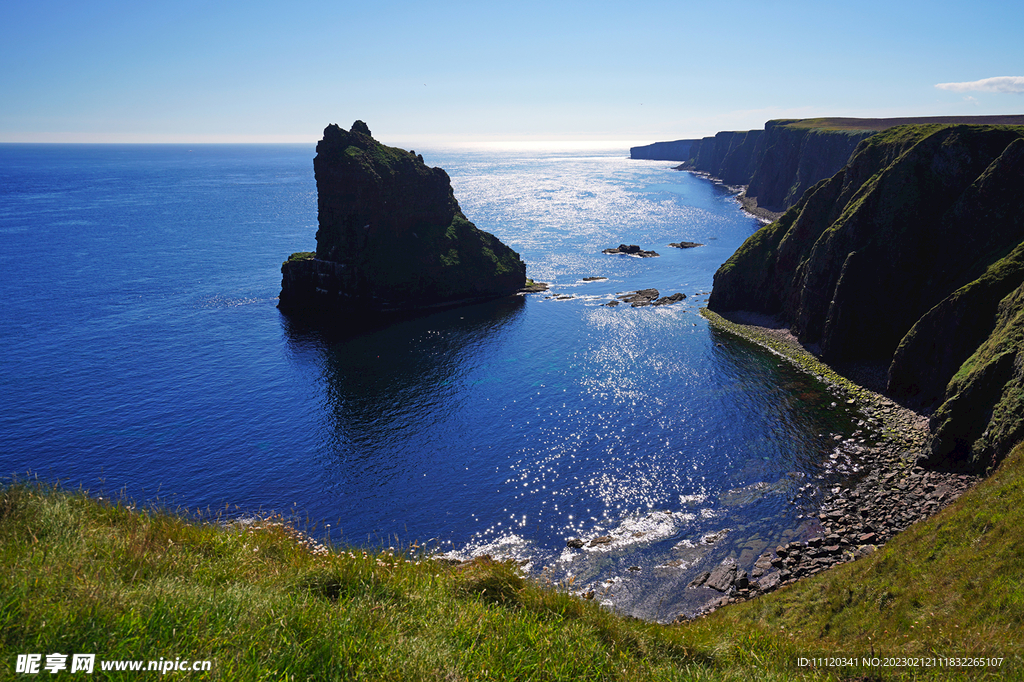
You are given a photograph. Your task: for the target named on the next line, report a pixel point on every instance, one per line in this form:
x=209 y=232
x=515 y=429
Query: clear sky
x=443 y=72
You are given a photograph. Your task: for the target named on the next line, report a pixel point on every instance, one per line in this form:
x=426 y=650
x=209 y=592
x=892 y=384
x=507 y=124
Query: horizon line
x=408 y=141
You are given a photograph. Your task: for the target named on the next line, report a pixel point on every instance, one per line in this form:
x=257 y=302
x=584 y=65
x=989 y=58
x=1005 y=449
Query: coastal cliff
x=676 y=150
x=796 y=155
x=912 y=256
x=778 y=164
x=732 y=157
x=391 y=236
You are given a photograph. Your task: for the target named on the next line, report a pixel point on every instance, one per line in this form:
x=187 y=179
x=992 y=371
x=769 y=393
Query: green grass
x=84 y=575
x=854 y=125
x=988 y=388
x=262 y=601
x=302 y=255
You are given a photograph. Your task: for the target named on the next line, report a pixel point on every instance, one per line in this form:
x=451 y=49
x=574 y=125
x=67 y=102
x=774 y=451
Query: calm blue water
x=143 y=355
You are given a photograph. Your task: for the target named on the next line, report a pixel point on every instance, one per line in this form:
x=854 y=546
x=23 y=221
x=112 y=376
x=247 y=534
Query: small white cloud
x=1014 y=84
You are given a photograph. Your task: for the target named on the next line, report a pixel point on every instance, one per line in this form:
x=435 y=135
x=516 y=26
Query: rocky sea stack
x=911 y=256
x=391 y=237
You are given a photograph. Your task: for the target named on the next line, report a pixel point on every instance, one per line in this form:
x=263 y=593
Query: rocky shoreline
x=749 y=205
x=860 y=515
x=882 y=489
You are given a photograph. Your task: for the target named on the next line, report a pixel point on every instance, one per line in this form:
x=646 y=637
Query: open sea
x=143 y=355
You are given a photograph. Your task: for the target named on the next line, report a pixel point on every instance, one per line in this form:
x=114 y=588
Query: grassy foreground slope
x=950 y=586
x=81 y=575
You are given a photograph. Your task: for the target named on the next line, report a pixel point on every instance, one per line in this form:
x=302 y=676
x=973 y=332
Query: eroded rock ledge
x=646 y=297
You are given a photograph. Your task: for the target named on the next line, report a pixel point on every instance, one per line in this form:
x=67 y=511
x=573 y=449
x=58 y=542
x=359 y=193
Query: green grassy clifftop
x=911 y=256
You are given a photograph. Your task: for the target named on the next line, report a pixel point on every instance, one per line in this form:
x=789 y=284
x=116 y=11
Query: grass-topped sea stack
x=392 y=237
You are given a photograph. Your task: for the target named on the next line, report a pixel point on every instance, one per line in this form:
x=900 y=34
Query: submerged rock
x=391 y=236
x=723 y=578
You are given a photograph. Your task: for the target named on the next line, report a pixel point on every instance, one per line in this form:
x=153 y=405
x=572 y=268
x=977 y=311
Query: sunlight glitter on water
x=503 y=428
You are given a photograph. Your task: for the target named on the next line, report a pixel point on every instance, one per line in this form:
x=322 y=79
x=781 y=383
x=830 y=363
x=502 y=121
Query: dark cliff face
x=778 y=163
x=391 y=236
x=910 y=256
x=794 y=159
x=729 y=156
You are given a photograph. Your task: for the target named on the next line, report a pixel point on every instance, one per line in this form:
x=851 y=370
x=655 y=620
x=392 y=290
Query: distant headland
x=782 y=161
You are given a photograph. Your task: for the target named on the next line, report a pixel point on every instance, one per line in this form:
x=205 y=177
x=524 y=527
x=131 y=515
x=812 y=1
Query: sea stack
x=391 y=237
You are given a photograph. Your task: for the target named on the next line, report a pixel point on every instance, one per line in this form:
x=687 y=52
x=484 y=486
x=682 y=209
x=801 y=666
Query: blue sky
x=437 y=73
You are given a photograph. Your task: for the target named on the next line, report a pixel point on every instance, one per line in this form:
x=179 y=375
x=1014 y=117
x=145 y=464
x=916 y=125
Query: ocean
x=144 y=357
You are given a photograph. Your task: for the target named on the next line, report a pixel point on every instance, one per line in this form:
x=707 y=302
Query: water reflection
x=394 y=399
x=384 y=382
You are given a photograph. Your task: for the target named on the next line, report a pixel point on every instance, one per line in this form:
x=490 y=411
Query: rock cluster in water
x=631 y=250
x=646 y=297
x=391 y=236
